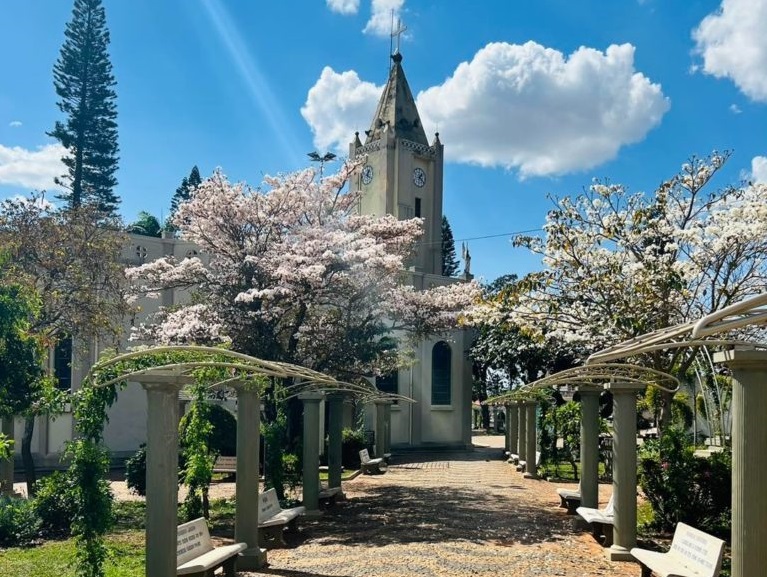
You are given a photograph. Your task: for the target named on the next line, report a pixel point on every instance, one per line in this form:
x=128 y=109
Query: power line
x=514 y=233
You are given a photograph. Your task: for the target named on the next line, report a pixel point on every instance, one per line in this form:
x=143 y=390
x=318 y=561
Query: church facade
x=401 y=174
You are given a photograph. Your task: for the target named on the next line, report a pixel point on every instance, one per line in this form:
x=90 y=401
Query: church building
x=401 y=174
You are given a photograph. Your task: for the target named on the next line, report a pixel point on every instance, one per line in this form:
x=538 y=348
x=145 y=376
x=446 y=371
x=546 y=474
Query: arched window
x=440 y=374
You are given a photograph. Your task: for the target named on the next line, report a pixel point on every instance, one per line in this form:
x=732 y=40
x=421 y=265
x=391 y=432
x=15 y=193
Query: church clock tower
x=400 y=172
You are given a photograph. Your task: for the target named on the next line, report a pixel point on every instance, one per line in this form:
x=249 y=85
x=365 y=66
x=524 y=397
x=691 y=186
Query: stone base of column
x=530 y=476
x=313 y=514
x=618 y=553
x=578 y=523
x=252 y=559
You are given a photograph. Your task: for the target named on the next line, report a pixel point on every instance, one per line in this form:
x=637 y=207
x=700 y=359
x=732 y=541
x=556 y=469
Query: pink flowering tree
x=618 y=265
x=291 y=272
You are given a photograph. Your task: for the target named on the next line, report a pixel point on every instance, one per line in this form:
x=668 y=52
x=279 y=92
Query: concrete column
x=522 y=432
x=335 y=427
x=380 y=428
x=6 y=466
x=387 y=427
x=161 y=472
x=246 y=492
x=624 y=469
x=749 y=470
x=589 y=484
x=513 y=425
x=507 y=433
x=531 y=470
x=311 y=489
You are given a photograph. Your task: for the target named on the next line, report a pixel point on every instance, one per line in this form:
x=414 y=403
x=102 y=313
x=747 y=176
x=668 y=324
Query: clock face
x=367 y=174
x=419 y=177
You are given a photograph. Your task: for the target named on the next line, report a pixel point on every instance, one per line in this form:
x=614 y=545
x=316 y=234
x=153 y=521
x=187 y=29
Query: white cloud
x=759 y=169
x=735 y=109
x=381 y=16
x=344 y=6
x=520 y=107
x=33 y=169
x=14 y=123
x=733 y=45
x=338 y=105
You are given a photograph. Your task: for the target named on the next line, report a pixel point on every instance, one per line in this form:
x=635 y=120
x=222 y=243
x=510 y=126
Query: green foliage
x=21 y=367
x=352 y=442
x=135 y=471
x=55 y=503
x=182 y=194
x=276 y=440
x=85 y=86
x=449 y=258
x=6 y=447
x=146 y=225
x=19 y=522
x=565 y=423
x=222 y=437
x=683 y=487
x=198 y=455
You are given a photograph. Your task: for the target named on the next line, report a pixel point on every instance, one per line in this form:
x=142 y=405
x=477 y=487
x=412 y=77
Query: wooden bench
x=195 y=554
x=370 y=465
x=693 y=553
x=272 y=518
x=570 y=499
x=600 y=520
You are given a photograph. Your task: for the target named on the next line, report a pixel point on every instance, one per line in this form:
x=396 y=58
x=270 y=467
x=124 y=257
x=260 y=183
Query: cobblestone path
x=462 y=514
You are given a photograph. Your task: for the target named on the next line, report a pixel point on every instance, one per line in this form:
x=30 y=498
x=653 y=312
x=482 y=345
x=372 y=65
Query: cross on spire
x=398 y=32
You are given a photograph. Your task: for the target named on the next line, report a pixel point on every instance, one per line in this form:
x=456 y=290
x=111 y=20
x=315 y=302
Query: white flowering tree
x=291 y=272
x=618 y=265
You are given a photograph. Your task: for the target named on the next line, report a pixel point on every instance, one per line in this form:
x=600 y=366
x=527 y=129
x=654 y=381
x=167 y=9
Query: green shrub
x=222 y=440
x=352 y=442
x=683 y=487
x=135 y=471
x=55 y=503
x=19 y=522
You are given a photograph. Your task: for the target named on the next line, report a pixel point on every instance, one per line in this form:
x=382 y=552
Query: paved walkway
x=456 y=514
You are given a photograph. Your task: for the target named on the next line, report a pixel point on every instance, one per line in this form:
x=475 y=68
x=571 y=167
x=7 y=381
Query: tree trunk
x=26 y=455
x=664 y=417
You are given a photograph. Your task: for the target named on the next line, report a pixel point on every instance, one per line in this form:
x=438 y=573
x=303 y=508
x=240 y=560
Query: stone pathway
x=469 y=514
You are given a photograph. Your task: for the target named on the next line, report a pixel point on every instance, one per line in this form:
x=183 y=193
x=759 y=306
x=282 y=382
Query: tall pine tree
x=449 y=259
x=85 y=85
x=182 y=194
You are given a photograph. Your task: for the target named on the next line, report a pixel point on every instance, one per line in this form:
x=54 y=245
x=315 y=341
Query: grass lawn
x=125 y=544
x=563 y=472
x=345 y=475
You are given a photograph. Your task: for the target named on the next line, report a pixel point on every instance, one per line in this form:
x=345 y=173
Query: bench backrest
x=697 y=549
x=364 y=456
x=193 y=539
x=225 y=463
x=610 y=507
x=268 y=505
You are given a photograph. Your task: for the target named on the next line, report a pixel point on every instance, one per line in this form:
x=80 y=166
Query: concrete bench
x=570 y=499
x=225 y=465
x=600 y=520
x=693 y=553
x=513 y=458
x=272 y=518
x=370 y=465
x=195 y=554
x=328 y=495
x=522 y=465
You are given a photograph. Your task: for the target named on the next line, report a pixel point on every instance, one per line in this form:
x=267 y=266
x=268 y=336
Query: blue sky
x=530 y=98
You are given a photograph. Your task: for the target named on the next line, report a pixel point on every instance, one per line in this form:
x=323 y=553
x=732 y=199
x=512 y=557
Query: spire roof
x=396 y=110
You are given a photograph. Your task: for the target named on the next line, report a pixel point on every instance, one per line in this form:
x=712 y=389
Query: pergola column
x=311 y=480
x=513 y=425
x=162 y=471
x=507 y=433
x=6 y=466
x=749 y=470
x=380 y=446
x=624 y=469
x=335 y=428
x=387 y=427
x=589 y=483
x=522 y=432
x=531 y=470
x=246 y=492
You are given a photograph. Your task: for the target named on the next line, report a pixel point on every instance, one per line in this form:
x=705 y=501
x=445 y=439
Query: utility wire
x=487 y=236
